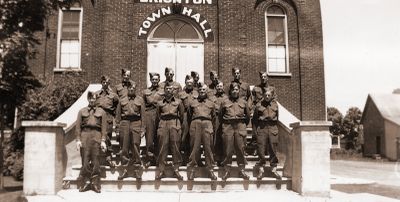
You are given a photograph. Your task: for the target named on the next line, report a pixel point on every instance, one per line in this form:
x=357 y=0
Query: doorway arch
x=176 y=43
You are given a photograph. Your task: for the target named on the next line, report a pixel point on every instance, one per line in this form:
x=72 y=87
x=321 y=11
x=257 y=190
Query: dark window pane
x=276 y=30
x=70 y=25
x=164 y=31
x=187 y=32
x=276 y=10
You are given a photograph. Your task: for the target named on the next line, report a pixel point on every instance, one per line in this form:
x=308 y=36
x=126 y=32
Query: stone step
x=198 y=184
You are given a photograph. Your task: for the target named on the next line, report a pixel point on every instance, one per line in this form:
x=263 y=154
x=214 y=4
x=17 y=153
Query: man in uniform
x=91 y=132
x=217 y=98
x=213 y=84
x=235 y=115
x=169 y=78
x=196 y=78
x=151 y=96
x=130 y=117
x=258 y=92
x=186 y=96
x=245 y=92
x=108 y=101
x=266 y=119
x=169 y=119
x=201 y=113
x=122 y=92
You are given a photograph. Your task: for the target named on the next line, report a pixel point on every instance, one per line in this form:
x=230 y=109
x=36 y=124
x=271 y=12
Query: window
x=69 y=39
x=277 y=49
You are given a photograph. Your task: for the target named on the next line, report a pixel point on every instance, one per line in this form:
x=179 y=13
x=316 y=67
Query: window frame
x=58 y=67
x=284 y=16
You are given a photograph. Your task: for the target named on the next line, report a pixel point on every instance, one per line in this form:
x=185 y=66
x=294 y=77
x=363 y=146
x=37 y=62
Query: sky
x=361 y=50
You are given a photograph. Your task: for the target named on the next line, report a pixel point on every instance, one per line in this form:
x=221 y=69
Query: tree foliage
x=336 y=117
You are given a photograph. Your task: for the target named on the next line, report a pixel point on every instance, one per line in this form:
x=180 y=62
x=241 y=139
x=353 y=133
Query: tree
x=351 y=125
x=336 y=117
x=19 y=20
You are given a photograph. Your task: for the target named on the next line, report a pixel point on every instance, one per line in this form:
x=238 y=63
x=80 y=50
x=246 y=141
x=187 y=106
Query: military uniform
x=130 y=116
x=186 y=97
x=201 y=112
x=108 y=101
x=169 y=118
x=151 y=96
x=122 y=92
x=175 y=85
x=90 y=130
x=266 y=119
x=235 y=115
x=217 y=141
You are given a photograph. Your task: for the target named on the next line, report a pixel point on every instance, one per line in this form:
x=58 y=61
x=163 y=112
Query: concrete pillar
x=311 y=145
x=43 y=157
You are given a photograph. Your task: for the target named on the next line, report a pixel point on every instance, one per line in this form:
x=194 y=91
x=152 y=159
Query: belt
x=201 y=118
x=266 y=122
x=86 y=128
x=168 y=117
x=238 y=120
x=109 y=111
x=131 y=118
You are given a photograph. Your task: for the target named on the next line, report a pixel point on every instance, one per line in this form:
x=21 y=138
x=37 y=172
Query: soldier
x=151 y=96
x=186 y=96
x=266 y=119
x=214 y=82
x=169 y=119
x=122 y=92
x=235 y=115
x=257 y=93
x=91 y=132
x=130 y=118
x=218 y=97
x=169 y=78
x=196 y=78
x=201 y=114
x=108 y=101
x=245 y=92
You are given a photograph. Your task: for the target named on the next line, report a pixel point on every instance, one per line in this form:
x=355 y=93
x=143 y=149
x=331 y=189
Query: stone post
x=311 y=158
x=43 y=157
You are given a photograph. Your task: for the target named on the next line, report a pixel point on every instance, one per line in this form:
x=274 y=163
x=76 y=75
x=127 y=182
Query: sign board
x=192 y=2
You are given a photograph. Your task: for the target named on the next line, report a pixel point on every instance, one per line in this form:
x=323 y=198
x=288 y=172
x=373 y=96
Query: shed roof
x=387 y=104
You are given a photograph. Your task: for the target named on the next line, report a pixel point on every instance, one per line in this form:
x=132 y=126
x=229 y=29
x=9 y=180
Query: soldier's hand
x=103 y=146
x=78 y=145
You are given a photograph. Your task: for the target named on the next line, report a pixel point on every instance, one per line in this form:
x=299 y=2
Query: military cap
x=189 y=78
x=153 y=74
x=213 y=73
x=262 y=73
x=92 y=95
x=194 y=74
x=105 y=78
x=168 y=70
x=235 y=69
x=124 y=71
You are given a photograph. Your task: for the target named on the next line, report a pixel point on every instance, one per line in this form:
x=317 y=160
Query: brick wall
x=110 y=43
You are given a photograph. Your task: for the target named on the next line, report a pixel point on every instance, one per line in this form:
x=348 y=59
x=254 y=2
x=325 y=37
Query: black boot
x=86 y=187
x=110 y=162
x=96 y=184
x=124 y=175
x=243 y=175
x=275 y=173
x=160 y=175
x=227 y=173
x=260 y=173
x=212 y=175
x=177 y=174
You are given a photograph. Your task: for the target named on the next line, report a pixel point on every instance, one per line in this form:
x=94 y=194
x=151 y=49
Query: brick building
x=282 y=37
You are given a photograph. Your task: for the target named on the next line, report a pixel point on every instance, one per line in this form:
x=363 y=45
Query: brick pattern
x=110 y=43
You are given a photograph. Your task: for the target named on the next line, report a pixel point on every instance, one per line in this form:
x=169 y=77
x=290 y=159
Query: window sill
x=67 y=70
x=280 y=74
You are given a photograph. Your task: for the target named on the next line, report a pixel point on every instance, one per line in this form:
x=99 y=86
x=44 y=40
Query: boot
x=227 y=173
x=96 y=184
x=177 y=174
x=160 y=175
x=110 y=163
x=86 y=187
x=275 y=173
x=124 y=175
x=191 y=174
x=138 y=176
x=124 y=161
x=243 y=175
x=212 y=175
x=260 y=173
x=80 y=180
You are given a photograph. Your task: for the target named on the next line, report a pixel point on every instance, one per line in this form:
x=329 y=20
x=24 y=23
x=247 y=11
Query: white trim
x=58 y=59
x=287 y=70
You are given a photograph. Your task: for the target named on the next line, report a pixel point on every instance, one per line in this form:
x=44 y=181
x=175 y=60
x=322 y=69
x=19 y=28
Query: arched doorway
x=175 y=43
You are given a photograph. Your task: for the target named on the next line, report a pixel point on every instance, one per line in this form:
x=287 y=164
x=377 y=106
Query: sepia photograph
x=199 y=100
